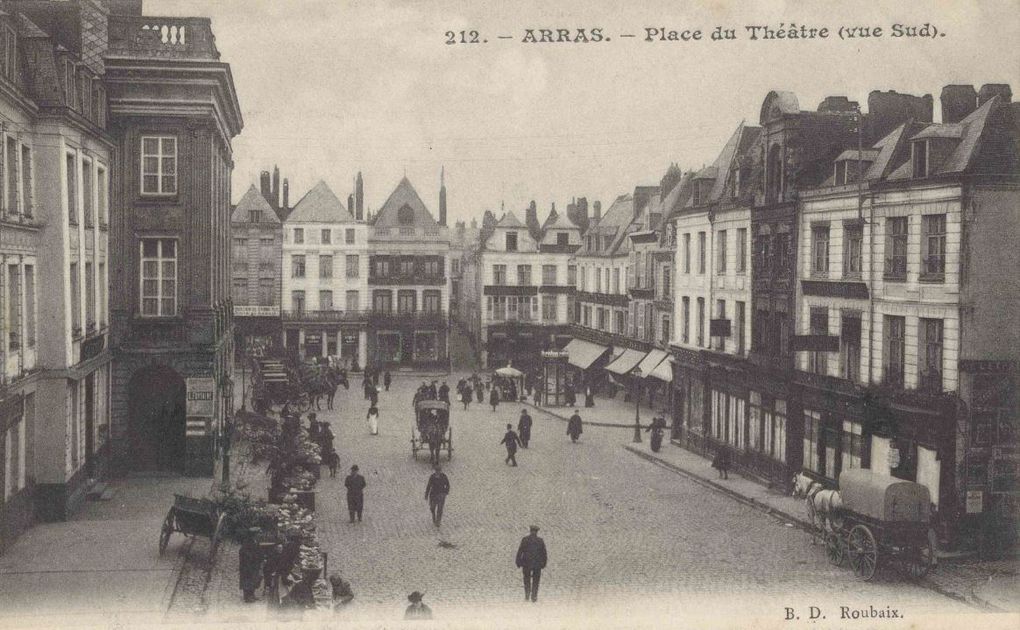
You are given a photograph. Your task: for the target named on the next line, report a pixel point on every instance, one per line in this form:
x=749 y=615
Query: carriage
x=193 y=517
x=432 y=429
x=882 y=519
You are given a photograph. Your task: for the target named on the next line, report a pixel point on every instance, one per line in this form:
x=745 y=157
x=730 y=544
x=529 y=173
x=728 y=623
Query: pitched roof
x=557 y=221
x=617 y=222
x=253 y=200
x=509 y=220
x=319 y=205
x=403 y=195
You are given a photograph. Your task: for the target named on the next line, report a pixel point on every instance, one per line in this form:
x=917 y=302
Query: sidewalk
x=993 y=586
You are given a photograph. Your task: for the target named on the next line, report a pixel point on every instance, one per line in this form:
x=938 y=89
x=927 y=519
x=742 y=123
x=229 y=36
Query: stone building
x=173 y=113
x=256 y=254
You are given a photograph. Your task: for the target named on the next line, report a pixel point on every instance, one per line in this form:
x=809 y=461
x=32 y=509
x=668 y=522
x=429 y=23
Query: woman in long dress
x=373 y=420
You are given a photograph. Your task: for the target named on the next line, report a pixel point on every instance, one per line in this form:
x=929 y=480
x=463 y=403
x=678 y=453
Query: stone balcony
x=133 y=36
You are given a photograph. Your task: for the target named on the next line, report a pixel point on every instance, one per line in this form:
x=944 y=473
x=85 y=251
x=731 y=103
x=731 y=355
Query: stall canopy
x=664 y=370
x=509 y=372
x=651 y=360
x=626 y=362
x=583 y=353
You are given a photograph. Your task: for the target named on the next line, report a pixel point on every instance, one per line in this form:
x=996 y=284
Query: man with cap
x=531 y=559
x=435 y=493
x=512 y=441
x=417 y=609
x=524 y=428
x=355 y=484
x=250 y=561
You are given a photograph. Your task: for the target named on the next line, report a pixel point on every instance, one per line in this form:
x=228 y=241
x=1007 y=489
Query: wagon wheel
x=918 y=561
x=834 y=549
x=863 y=552
x=216 y=537
x=449 y=444
x=167 y=529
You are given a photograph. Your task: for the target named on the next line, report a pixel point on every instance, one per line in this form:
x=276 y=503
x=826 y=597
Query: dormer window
x=10 y=53
x=511 y=241
x=920 y=158
x=562 y=238
x=405 y=215
x=256 y=216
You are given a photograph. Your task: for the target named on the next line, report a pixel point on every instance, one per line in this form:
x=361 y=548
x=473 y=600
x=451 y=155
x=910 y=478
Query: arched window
x=774 y=175
x=405 y=215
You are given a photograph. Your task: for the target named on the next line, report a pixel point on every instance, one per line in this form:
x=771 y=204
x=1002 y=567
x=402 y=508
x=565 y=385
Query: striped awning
x=626 y=362
x=664 y=370
x=583 y=353
x=651 y=360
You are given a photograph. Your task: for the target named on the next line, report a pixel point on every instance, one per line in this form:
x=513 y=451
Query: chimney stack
x=442 y=196
x=350 y=202
x=958 y=101
x=359 y=198
x=988 y=90
x=286 y=193
x=264 y=186
x=596 y=208
x=276 y=187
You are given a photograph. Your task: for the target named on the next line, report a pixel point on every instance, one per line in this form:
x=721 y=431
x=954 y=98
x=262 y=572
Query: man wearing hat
x=436 y=490
x=417 y=609
x=355 y=484
x=250 y=561
x=531 y=558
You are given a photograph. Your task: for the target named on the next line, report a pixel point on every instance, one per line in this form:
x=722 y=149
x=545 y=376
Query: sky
x=331 y=87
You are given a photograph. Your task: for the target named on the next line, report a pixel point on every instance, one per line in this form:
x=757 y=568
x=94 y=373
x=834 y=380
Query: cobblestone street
x=627 y=540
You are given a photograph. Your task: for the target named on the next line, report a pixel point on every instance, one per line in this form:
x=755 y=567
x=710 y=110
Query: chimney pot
x=958 y=101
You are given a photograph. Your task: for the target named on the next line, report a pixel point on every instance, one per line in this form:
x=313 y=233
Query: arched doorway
x=157 y=408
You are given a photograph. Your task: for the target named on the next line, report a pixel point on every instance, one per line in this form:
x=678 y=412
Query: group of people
x=321 y=433
x=430 y=391
x=522 y=436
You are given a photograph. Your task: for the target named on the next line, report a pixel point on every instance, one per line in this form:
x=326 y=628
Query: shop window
x=812 y=437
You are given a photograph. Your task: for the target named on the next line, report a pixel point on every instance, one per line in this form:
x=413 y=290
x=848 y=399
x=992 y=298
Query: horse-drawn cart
x=432 y=429
x=881 y=519
x=193 y=517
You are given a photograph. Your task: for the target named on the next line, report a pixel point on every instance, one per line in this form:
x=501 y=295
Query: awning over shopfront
x=626 y=361
x=664 y=370
x=651 y=360
x=583 y=353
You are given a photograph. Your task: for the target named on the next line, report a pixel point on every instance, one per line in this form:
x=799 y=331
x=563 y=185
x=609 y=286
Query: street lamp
x=636 y=373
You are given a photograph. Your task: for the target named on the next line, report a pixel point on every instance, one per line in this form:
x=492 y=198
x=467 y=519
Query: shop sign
x=313 y=338
x=201 y=397
x=256 y=311
x=893 y=458
x=975 y=501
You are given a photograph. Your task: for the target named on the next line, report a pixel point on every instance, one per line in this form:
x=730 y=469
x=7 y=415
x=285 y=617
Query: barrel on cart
x=193 y=517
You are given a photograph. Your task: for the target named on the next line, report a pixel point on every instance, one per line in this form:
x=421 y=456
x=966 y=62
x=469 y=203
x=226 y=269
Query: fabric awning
x=664 y=370
x=583 y=353
x=652 y=359
x=626 y=362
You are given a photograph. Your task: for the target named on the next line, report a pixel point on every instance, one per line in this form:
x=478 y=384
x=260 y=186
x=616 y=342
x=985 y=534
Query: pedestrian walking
x=512 y=441
x=494 y=398
x=569 y=396
x=343 y=378
x=524 y=428
x=436 y=490
x=373 y=395
x=355 y=484
x=531 y=559
x=465 y=396
x=575 y=426
x=250 y=565
x=270 y=581
x=721 y=462
x=333 y=386
x=479 y=392
x=387 y=379
x=417 y=609
x=444 y=393
x=373 y=420
x=589 y=397
x=366 y=384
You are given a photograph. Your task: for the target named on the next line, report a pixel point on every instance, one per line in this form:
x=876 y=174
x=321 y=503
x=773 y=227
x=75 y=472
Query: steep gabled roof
x=557 y=221
x=319 y=205
x=510 y=221
x=404 y=195
x=617 y=222
x=253 y=200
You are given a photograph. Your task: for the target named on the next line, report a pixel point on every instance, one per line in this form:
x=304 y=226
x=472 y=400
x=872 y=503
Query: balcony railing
x=431 y=318
x=410 y=233
x=161 y=37
x=392 y=279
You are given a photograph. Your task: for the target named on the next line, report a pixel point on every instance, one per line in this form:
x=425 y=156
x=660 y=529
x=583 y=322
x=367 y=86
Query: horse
x=822 y=504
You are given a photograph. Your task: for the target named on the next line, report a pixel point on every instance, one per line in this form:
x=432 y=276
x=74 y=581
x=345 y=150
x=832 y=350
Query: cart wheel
x=834 y=549
x=167 y=529
x=918 y=561
x=863 y=552
x=216 y=537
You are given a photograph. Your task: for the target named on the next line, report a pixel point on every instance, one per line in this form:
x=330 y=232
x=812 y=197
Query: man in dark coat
x=574 y=425
x=444 y=393
x=435 y=493
x=373 y=395
x=524 y=428
x=387 y=379
x=589 y=397
x=512 y=441
x=531 y=558
x=355 y=484
x=569 y=396
x=343 y=378
x=250 y=557
x=494 y=398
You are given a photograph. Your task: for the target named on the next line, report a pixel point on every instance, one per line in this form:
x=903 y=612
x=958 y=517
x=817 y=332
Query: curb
x=590 y=423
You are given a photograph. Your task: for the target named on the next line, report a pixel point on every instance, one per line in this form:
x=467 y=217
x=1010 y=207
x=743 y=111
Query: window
x=327 y=236
x=405 y=267
x=88 y=207
x=267 y=245
x=511 y=241
x=524 y=275
x=562 y=238
x=819 y=322
x=701 y=252
x=69 y=92
x=255 y=216
x=782 y=251
x=933 y=265
x=665 y=330
x=382 y=301
x=667 y=283
x=598 y=280
x=572 y=275
x=14 y=457
x=920 y=158
x=685 y=319
x=353 y=265
x=159 y=277
x=349 y=236
x=774 y=175
x=75 y=304
x=618 y=322
x=30 y=304
x=931 y=361
x=240 y=248
x=325 y=266
x=90 y=297
x=896 y=248
x=297 y=301
x=720 y=310
x=267 y=291
x=701 y=322
x=603 y=319
x=27 y=188
x=13 y=171
x=549 y=307
x=325 y=300
x=353 y=301
x=240 y=290
x=10 y=54
x=812 y=436
x=548 y=274
x=850 y=347
x=14 y=307
x=687 y=252
x=895 y=340
x=739 y=322
x=71 y=164
x=763 y=247
x=455 y=265
x=159 y=165
x=431 y=267
x=407 y=301
x=499 y=275
x=721 y=253
x=741 y=250
x=297 y=266
x=853 y=239
x=299 y=236
x=853 y=445
x=820 y=250
x=432 y=301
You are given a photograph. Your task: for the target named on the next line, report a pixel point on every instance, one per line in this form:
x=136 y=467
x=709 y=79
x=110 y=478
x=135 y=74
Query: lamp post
x=636 y=373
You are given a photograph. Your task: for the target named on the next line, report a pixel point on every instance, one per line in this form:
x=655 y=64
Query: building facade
x=256 y=252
